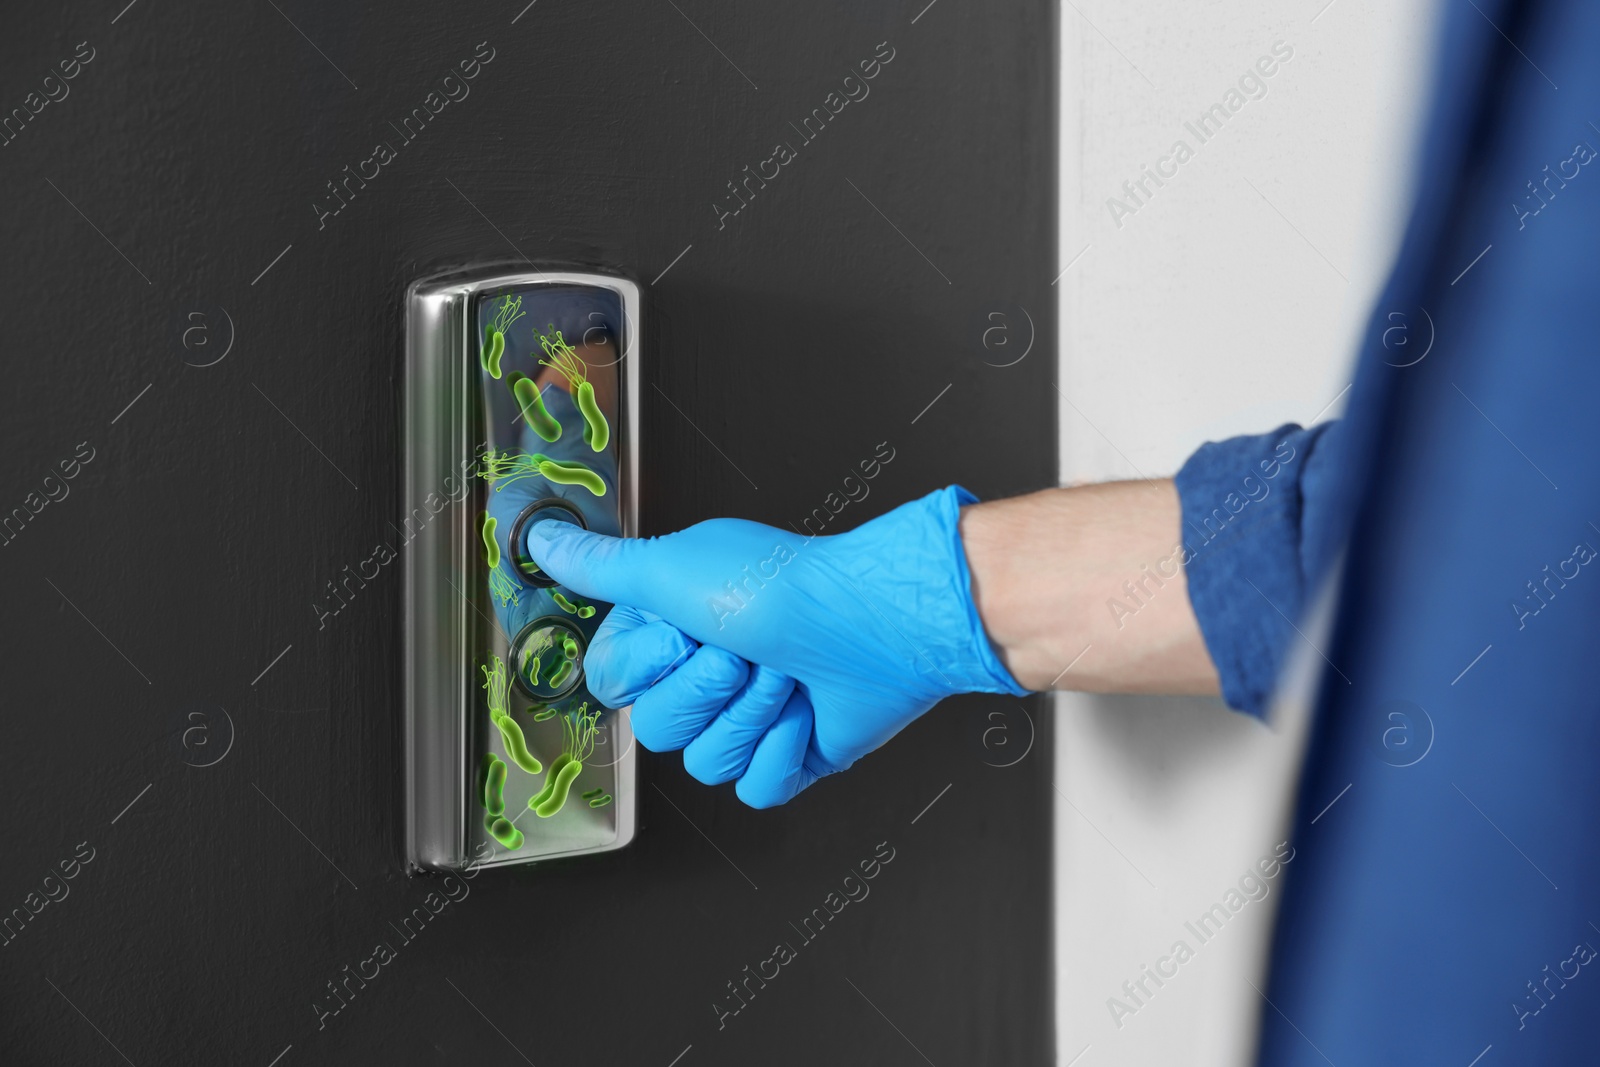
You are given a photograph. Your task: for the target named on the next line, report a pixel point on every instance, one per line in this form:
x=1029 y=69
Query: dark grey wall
x=145 y=606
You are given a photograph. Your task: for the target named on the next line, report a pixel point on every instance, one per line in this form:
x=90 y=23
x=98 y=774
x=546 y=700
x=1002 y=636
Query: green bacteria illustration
x=494 y=784
x=502 y=831
x=501 y=584
x=565 y=360
x=500 y=469
x=494 y=681
x=571 y=472
x=559 y=676
x=517 y=745
x=531 y=401
x=547 y=653
x=572 y=607
x=492 y=353
x=494 y=341
x=543 y=670
x=491 y=547
x=579 y=728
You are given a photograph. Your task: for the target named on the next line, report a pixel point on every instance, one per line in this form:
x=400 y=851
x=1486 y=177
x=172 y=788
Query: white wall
x=1214 y=309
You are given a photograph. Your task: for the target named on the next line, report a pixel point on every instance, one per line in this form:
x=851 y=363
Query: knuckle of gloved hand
x=602 y=673
x=825 y=759
x=707 y=768
x=755 y=710
x=672 y=647
x=769 y=687
x=719 y=671
x=749 y=712
x=757 y=793
x=603 y=686
x=654 y=732
x=822 y=766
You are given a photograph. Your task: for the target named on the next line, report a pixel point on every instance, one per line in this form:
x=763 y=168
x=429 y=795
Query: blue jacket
x=1448 y=906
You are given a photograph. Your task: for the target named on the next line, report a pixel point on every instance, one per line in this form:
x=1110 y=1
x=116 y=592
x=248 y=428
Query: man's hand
x=806 y=653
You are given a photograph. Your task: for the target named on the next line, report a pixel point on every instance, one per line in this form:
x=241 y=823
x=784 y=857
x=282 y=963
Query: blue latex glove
x=847 y=638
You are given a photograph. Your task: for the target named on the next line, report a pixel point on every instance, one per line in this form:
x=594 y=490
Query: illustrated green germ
x=579 y=728
x=500 y=583
x=494 y=341
x=531 y=401
x=600 y=801
x=494 y=680
x=503 y=587
x=493 y=351
x=558 y=765
x=491 y=547
x=500 y=469
x=494 y=787
x=598 y=430
x=502 y=831
x=591 y=794
x=517 y=745
x=571 y=606
x=533 y=654
x=544 y=714
x=569 y=646
x=565 y=360
x=562 y=672
x=489 y=760
x=573 y=473
x=558 y=795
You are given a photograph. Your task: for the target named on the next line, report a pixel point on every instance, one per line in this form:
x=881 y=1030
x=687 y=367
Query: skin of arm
x=836 y=681
x=1046 y=569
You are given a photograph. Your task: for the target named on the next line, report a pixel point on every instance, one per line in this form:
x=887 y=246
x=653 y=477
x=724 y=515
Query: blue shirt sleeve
x=1441 y=908
x=1251 y=522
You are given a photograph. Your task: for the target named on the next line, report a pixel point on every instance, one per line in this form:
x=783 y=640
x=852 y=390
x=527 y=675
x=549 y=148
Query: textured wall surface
x=207 y=339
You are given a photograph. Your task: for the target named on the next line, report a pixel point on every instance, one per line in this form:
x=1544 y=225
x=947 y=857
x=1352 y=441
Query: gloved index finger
x=612 y=569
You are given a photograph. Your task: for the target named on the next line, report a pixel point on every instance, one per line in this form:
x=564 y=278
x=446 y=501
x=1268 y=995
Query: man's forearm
x=1084 y=588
